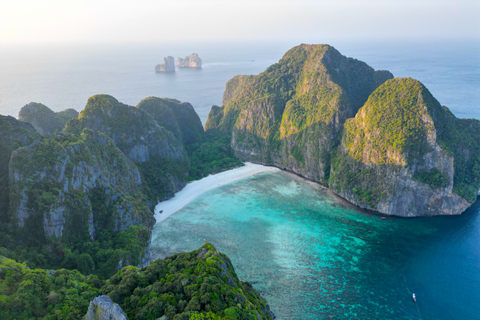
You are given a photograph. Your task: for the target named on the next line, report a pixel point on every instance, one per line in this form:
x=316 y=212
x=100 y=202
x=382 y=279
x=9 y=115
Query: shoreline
x=196 y=188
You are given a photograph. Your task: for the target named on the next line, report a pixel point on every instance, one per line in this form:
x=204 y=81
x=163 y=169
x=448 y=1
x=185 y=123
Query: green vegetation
x=212 y=155
x=391 y=125
x=293 y=111
x=197 y=285
x=434 y=178
x=41 y=294
x=76 y=196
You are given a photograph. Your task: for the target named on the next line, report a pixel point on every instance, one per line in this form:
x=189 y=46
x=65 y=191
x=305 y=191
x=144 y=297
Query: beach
x=196 y=188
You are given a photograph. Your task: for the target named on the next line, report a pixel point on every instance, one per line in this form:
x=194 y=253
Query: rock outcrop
x=161 y=157
x=394 y=158
x=72 y=187
x=45 y=121
x=102 y=308
x=294 y=116
x=14 y=134
x=168 y=65
x=177 y=117
x=192 y=61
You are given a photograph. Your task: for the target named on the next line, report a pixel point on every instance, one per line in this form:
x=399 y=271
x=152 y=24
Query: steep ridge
x=161 y=158
x=292 y=114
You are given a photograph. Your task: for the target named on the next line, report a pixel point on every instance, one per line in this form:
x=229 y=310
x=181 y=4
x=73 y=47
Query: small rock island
x=192 y=61
x=168 y=65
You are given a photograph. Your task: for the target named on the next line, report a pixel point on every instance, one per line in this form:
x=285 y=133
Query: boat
x=414 y=298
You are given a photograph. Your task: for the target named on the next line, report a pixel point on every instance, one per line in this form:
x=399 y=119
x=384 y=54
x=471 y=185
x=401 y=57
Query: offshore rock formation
x=192 y=61
x=60 y=186
x=294 y=116
x=177 y=117
x=167 y=66
x=102 y=308
x=14 y=134
x=45 y=121
x=161 y=157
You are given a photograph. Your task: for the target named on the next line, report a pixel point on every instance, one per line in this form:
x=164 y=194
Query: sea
x=308 y=252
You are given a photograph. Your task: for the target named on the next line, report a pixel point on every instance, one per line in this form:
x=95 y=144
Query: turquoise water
x=314 y=256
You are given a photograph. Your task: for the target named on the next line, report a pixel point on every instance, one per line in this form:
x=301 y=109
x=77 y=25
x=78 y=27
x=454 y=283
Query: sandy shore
x=196 y=188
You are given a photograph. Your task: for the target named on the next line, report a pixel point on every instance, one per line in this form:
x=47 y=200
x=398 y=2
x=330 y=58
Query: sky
x=119 y=21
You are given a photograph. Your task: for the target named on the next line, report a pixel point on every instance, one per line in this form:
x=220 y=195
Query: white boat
x=414 y=298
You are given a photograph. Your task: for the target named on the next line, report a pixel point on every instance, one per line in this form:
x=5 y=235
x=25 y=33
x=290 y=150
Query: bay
x=315 y=256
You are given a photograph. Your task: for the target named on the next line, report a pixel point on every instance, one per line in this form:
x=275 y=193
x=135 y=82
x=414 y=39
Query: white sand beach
x=196 y=188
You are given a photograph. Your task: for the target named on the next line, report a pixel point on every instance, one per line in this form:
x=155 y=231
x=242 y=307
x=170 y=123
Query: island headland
x=383 y=143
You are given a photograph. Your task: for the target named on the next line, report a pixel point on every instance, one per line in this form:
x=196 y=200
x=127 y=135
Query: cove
x=312 y=255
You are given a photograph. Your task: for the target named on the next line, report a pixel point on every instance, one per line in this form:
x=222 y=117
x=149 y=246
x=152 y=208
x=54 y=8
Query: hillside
x=201 y=284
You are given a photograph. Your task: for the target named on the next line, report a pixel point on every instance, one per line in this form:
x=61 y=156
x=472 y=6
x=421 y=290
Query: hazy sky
x=117 y=21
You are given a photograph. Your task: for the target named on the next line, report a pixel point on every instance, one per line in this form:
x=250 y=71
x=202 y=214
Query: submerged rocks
x=103 y=308
x=192 y=61
x=167 y=66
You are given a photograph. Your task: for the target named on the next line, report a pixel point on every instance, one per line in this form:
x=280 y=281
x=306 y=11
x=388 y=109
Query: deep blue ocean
x=311 y=254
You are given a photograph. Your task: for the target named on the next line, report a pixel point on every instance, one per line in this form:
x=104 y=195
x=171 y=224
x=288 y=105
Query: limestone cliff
x=161 y=157
x=45 y=121
x=73 y=187
x=177 y=117
x=291 y=115
x=192 y=61
x=167 y=66
x=402 y=154
x=14 y=134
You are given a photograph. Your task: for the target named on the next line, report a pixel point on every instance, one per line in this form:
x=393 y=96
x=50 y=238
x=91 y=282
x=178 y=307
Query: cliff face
x=292 y=114
x=177 y=117
x=73 y=187
x=402 y=154
x=45 y=121
x=168 y=65
x=161 y=157
x=392 y=158
x=14 y=134
x=191 y=61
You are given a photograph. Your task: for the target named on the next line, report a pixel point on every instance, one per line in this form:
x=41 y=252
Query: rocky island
x=383 y=143
x=192 y=61
x=167 y=66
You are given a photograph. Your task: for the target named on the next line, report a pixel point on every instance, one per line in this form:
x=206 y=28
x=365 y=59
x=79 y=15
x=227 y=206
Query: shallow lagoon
x=313 y=255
